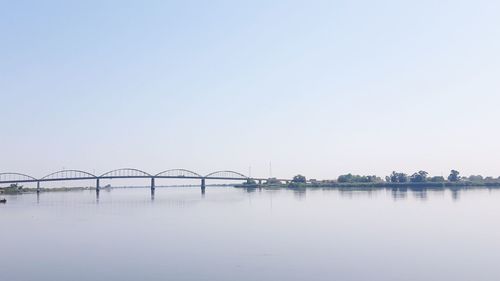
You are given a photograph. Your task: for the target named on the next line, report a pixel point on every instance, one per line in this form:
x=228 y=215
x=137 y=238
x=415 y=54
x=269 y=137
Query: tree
x=489 y=179
x=393 y=177
x=357 y=178
x=250 y=181
x=345 y=178
x=373 y=178
x=415 y=178
x=437 y=179
x=477 y=178
x=15 y=186
x=421 y=176
x=454 y=176
x=299 y=179
x=398 y=177
x=273 y=181
x=402 y=177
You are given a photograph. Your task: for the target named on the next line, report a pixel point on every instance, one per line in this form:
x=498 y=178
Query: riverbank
x=408 y=184
x=313 y=185
x=11 y=191
x=382 y=185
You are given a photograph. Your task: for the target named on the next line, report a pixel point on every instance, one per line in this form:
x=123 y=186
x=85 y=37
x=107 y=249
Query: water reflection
x=298 y=192
x=455 y=194
x=420 y=193
x=396 y=193
x=357 y=192
x=399 y=193
x=251 y=189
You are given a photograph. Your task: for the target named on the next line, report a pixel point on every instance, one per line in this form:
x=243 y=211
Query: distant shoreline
x=343 y=186
x=379 y=185
x=408 y=184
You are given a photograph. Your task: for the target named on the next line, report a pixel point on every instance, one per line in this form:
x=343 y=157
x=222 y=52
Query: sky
x=320 y=88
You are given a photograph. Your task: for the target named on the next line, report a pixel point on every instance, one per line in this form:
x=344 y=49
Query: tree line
x=422 y=176
x=399 y=177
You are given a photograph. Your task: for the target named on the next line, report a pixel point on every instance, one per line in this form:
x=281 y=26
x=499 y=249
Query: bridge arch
x=126 y=173
x=179 y=173
x=69 y=174
x=227 y=175
x=11 y=177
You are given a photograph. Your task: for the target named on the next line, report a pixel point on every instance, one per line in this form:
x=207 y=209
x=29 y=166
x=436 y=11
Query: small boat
x=3 y=201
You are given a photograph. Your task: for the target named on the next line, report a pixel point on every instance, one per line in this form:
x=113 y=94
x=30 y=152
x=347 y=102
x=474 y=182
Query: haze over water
x=232 y=234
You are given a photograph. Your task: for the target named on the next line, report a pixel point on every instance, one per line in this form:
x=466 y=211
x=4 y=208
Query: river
x=235 y=234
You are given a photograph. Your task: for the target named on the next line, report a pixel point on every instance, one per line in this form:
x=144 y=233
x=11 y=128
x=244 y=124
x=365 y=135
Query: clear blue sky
x=315 y=87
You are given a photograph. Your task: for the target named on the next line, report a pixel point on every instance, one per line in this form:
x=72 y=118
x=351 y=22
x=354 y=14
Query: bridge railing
x=125 y=173
x=178 y=173
x=226 y=175
x=68 y=175
x=16 y=178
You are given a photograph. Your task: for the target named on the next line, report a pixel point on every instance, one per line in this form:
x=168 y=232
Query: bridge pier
x=152 y=184
x=97 y=185
x=37 y=187
x=203 y=186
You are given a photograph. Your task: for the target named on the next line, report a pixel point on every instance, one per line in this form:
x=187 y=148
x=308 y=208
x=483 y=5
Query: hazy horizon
x=320 y=88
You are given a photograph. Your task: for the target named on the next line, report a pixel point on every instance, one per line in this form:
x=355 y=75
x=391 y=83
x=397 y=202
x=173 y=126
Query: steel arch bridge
x=178 y=173
x=15 y=178
x=226 y=175
x=126 y=173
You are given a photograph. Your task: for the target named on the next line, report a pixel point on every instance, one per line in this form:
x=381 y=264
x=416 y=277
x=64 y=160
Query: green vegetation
x=421 y=176
x=273 y=181
x=16 y=189
x=13 y=189
x=357 y=178
x=454 y=176
x=420 y=179
x=436 y=179
x=299 y=179
x=397 y=177
x=250 y=182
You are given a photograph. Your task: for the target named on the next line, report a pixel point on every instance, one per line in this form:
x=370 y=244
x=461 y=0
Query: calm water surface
x=232 y=234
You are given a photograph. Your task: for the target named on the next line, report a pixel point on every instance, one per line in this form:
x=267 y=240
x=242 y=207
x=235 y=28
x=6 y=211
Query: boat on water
x=3 y=200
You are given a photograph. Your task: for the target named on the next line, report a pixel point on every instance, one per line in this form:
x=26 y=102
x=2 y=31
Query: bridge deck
x=106 y=177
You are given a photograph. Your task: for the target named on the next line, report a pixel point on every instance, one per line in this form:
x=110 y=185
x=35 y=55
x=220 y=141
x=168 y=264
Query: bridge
x=127 y=173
